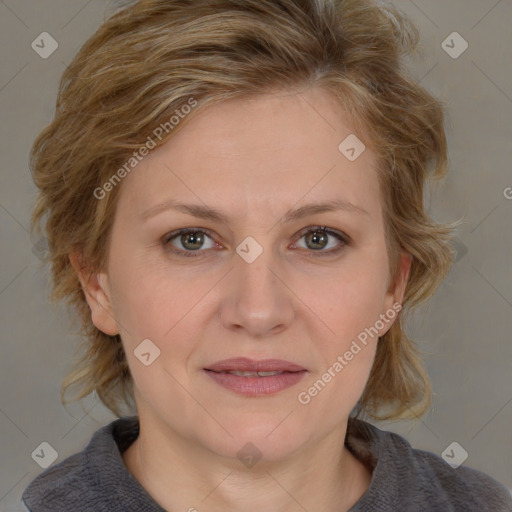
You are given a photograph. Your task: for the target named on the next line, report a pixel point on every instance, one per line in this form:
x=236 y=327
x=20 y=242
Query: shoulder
x=467 y=488
x=56 y=486
x=85 y=481
x=409 y=479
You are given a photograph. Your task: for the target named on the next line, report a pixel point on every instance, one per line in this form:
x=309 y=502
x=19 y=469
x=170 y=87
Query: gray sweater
x=403 y=479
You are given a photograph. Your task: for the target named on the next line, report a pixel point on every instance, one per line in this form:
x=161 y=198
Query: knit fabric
x=403 y=479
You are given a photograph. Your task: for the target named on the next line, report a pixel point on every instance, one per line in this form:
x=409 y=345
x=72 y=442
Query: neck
x=180 y=475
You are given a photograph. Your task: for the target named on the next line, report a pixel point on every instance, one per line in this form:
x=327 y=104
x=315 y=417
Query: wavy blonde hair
x=149 y=58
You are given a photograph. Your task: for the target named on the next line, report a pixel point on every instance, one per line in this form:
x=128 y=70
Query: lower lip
x=256 y=386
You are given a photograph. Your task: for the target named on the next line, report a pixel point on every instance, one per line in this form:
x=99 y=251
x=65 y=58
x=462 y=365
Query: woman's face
x=258 y=285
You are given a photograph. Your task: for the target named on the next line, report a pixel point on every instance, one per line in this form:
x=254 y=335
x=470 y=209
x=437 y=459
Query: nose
x=256 y=297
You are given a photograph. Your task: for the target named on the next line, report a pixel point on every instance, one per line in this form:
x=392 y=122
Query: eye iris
x=316 y=237
x=195 y=237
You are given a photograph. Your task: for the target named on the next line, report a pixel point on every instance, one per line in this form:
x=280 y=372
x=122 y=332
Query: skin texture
x=252 y=159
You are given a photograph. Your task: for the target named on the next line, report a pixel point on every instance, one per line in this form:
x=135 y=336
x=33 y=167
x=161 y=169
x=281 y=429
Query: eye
x=191 y=240
x=317 y=239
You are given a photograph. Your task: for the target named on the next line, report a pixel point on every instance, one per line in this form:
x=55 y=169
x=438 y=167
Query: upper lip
x=243 y=364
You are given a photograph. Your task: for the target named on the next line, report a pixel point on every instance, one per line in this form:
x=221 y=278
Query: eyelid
x=343 y=236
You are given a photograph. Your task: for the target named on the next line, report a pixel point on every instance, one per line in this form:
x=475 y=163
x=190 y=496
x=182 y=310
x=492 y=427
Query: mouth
x=252 y=374
x=245 y=367
x=254 y=378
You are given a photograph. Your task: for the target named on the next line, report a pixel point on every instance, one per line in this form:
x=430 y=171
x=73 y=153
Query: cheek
x=350 y=306
x=345 y=358
x=351 y=299
x=152 y=297
x=163 y=305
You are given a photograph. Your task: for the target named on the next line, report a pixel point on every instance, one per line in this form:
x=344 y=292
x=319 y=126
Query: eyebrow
x=212 y=214
x=208 y=213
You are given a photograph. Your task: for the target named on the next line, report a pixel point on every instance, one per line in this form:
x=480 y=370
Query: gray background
x=464 y=332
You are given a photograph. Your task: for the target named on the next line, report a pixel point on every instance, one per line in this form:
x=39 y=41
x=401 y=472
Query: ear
x=396 y=291
x=97 y=294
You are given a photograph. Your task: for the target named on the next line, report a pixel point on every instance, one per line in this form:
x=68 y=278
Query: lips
x=245 y=367
x=255 y=378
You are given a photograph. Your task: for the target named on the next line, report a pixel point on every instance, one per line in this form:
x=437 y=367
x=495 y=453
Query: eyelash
x=346 y=241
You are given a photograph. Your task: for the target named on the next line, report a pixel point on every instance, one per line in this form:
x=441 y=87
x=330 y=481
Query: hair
x=150 y=58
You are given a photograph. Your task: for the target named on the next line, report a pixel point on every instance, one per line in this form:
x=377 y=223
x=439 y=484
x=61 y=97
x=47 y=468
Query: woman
x=234 y=199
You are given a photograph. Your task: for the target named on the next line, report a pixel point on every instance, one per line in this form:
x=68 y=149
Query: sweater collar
x=366 y=442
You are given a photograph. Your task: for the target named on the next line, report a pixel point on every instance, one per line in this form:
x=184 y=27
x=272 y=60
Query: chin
x=267 y=440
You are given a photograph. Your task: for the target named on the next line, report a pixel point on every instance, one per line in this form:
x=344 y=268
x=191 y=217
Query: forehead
x=259 y=153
